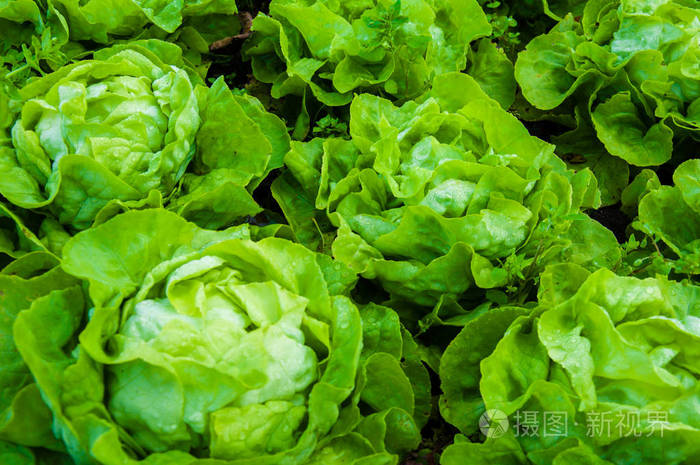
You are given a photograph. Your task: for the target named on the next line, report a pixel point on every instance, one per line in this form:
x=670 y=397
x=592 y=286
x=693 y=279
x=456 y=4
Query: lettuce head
x=111 y=128
x=614 y=358
x=623 y=74
x=440 y=199
x=218 y=347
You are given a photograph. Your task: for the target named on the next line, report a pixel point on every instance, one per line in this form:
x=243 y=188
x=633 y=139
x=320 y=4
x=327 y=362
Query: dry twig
x=246 y=20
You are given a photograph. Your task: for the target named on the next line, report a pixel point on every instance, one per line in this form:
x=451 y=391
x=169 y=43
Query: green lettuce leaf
x=238 y=144
x=26 y=420
x=12 y=454
x=672 y=215
x=15 y=238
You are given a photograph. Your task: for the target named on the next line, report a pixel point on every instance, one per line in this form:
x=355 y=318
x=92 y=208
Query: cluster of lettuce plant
x=362 y=257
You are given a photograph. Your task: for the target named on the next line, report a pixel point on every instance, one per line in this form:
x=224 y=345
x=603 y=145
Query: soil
x=612 y=218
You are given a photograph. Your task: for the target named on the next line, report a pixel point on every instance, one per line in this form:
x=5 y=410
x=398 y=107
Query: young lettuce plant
x=218 y=347
x=604 y=371
x=439 y=199
x=516 y=22
x=33 y=40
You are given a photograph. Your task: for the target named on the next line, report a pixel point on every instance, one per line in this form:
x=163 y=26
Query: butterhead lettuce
x=615 y=356
x=628 y=70
x=198 y=346
x=443 y=197
x=329 y=49
x=115 y=127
